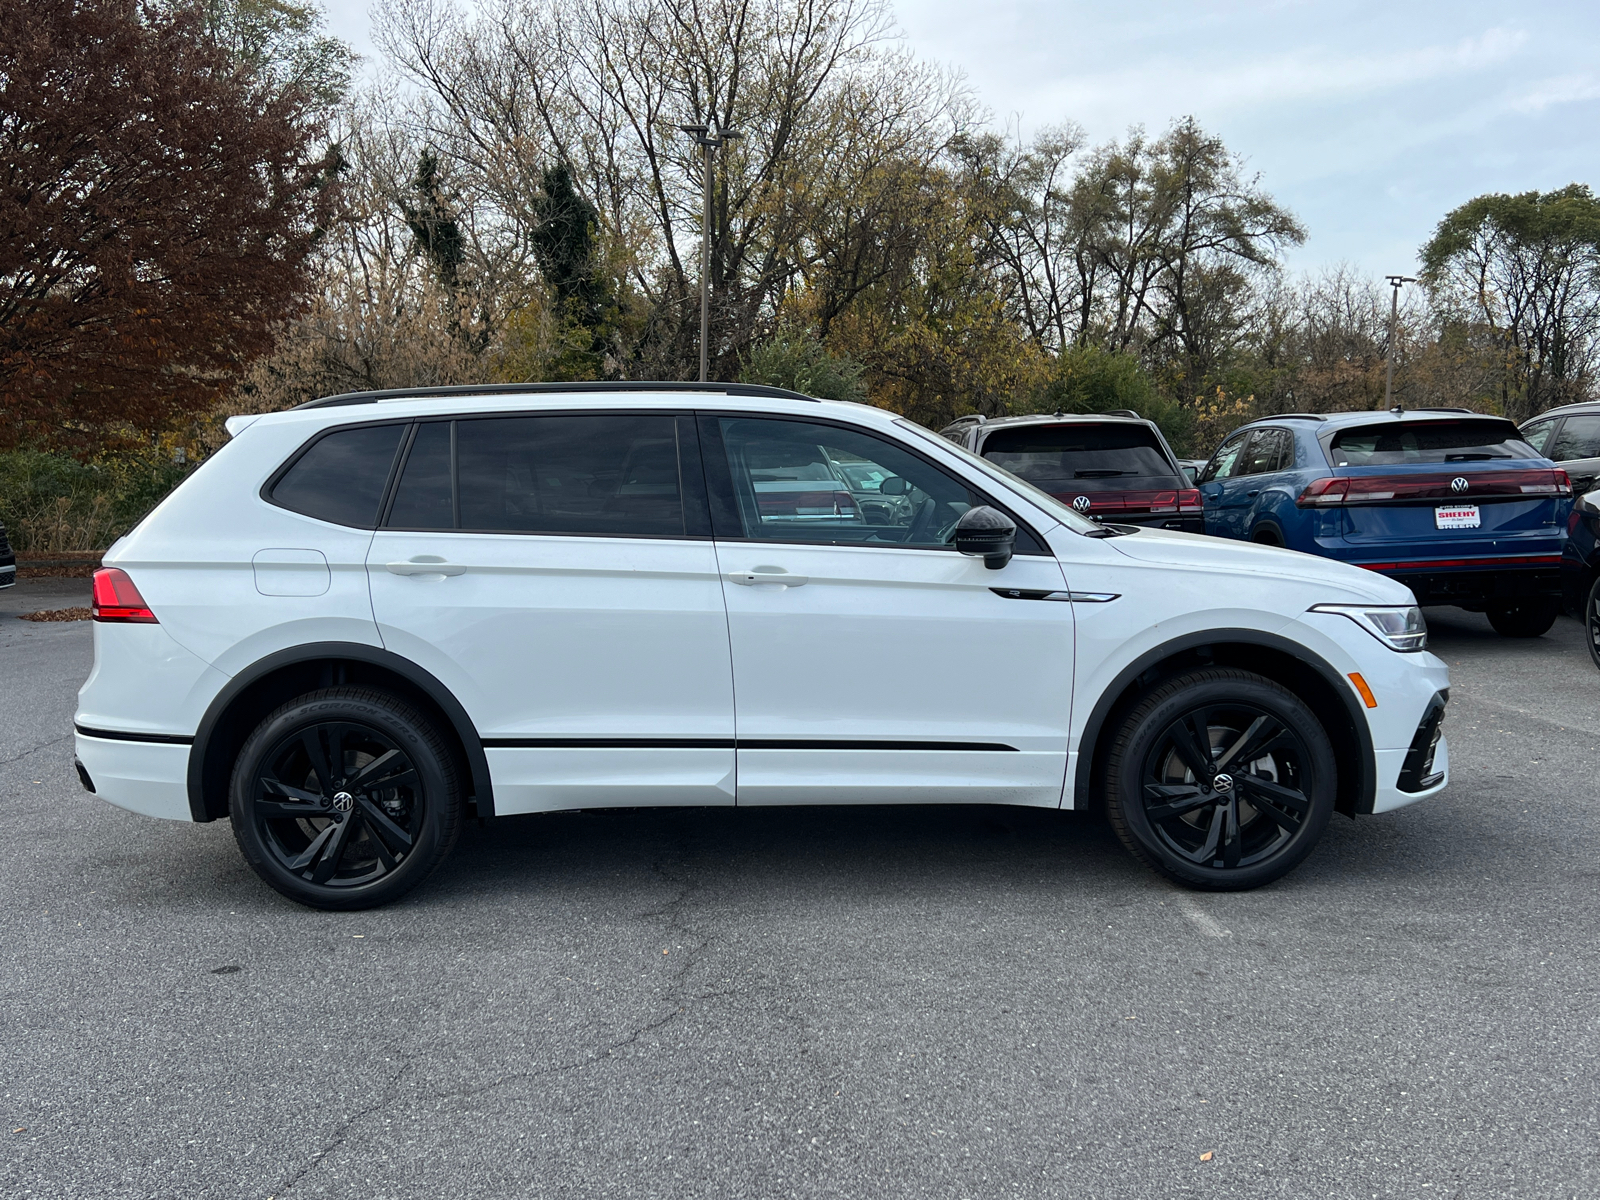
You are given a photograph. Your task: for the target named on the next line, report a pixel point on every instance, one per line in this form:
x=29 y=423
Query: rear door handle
x=767 y=575
x=424 y=564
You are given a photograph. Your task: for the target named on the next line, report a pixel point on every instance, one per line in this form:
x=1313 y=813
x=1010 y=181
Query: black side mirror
x=894 y=485
x=987 y=533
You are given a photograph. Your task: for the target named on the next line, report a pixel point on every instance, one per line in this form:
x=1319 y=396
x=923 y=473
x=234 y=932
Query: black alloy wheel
x=345 y=798
x=1526 y=618
x=1220 y=779
x=1591 y=620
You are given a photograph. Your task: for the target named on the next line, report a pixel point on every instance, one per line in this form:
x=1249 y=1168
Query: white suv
x=368 y=617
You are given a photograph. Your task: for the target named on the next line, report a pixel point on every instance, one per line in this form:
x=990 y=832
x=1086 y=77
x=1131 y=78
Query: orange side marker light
x=1366 y=692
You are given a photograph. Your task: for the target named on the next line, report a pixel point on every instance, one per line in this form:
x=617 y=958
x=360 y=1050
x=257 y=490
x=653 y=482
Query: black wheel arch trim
x=465 y=730
x=1089 y=741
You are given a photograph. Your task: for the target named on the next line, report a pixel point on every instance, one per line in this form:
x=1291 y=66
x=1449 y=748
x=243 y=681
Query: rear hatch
x=1118 y=470
x=1468 y=493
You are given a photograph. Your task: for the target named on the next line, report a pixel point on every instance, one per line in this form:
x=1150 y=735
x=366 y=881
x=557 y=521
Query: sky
x=1369 y=121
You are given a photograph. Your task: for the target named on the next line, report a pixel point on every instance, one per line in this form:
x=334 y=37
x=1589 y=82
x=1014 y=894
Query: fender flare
x=1089 y=740
x=423 y=681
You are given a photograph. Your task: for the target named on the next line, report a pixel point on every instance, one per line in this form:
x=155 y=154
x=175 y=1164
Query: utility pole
x=1396 y=282
x=708 y=137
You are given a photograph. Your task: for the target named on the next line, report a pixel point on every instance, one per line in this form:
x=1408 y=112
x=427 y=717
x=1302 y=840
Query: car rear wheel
x=1526 y=619
x=1221 y=780
x=345 y=798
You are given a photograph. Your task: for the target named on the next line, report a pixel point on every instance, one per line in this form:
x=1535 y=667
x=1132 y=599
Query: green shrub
x=53 y=502
x=1087 y=379
x=797 y=360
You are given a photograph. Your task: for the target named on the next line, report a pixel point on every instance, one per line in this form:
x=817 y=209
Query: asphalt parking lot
x=848 y=1003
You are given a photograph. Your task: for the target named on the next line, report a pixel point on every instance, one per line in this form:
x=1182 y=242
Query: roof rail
x=1294 y=417
x=1455 y=410
x=1119 y=412
x=517 y=389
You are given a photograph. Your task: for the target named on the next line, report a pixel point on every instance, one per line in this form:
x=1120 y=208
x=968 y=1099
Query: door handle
x=425 y=564
x=768 y=575
x=1257 y=492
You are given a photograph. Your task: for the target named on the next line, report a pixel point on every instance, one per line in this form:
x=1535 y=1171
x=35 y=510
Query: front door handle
x=425 y=564
x=768 y=575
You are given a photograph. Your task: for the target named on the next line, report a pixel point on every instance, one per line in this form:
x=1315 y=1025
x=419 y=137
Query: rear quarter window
x=1398 y=443
x=341 y=476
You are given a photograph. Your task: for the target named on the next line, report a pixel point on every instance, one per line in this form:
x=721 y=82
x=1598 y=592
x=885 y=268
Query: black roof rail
x=1120 y=412
x=1469 y=411
x=516 y=389
x=1294 y=417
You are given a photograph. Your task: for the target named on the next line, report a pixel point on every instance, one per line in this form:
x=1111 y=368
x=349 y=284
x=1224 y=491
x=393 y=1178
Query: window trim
x=288 y=464
x=724 y=501
x=691 y=477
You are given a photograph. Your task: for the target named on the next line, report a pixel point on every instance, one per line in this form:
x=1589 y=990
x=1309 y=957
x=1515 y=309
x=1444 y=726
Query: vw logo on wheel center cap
x=1081 y=503
x=1459 y=484
x=1223 y=783
x=344 y=801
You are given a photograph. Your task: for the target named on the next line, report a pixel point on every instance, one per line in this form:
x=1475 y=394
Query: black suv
x=8 y=561
x=1112 y=466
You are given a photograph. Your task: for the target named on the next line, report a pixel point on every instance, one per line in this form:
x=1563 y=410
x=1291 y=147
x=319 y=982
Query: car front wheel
x=1591 y=621
x=1220 y=779
x=345 y=798
x=1526 y=619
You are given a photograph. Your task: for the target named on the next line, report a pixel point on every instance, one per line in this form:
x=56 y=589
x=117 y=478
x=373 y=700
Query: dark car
x=1110 y=466
x=1570 y=437
x=8 y=561
x=1456 y=505
x=1580 y=567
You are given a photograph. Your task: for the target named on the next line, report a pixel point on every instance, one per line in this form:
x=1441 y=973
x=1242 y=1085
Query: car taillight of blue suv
x=1455 y=505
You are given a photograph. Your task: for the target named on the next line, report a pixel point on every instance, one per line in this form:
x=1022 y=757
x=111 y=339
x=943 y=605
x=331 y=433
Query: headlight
x=1399 y=628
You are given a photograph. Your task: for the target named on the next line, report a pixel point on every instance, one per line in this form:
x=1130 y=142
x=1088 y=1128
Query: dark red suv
x=1111 y=466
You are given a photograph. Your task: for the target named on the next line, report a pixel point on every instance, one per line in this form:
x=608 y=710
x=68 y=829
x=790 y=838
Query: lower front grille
x=1417 y=773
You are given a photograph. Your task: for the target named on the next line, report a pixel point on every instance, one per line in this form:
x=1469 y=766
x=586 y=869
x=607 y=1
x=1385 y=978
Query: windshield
x=1079 y=458
x=1396 y=443
x=1057 y=509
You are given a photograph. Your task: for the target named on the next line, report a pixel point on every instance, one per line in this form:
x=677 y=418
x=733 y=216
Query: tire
x=1165 y=794
x=1526 y=619
x=1266 y=536
x=345 y=798
x=1591 y=620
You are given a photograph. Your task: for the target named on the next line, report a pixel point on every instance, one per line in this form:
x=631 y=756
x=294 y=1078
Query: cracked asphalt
x=861 y=1002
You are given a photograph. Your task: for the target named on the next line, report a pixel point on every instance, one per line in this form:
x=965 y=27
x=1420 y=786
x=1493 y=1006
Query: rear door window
x=1579 y=438
x=1265 y=453
x=611 y=474
x=341 y=476
x=1083 y=457
x=1398 y=443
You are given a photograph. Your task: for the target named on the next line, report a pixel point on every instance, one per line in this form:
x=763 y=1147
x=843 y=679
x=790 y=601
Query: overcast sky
x=1369 y=120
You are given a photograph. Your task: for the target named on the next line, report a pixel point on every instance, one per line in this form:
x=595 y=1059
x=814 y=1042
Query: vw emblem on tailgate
x=1458 y=484
x=1081 y=503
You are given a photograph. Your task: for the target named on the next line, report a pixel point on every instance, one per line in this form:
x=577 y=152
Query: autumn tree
x=1525 y=271
x=158 y=207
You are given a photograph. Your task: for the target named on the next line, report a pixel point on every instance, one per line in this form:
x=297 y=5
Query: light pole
x=1396 y=282
x=709 y=137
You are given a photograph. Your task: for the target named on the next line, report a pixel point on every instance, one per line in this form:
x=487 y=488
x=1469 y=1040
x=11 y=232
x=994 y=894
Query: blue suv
x=1455 y=505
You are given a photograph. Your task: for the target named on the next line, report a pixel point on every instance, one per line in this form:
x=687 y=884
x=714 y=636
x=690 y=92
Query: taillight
x=116 y=599
x=1431 y=489
x=1323 y=491
x=1189 y=500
